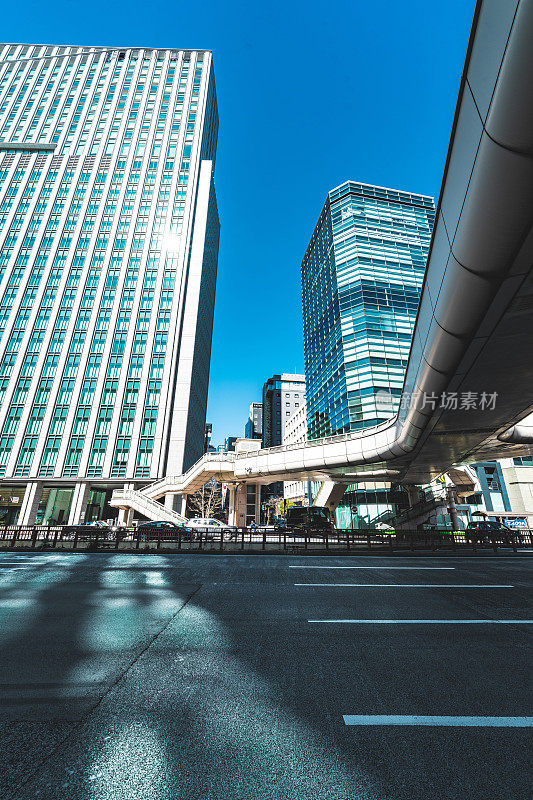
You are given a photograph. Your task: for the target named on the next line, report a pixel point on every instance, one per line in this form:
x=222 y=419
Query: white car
x=211 y=527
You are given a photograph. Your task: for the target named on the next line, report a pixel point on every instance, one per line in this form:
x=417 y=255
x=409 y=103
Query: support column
x=453 y=509
x=176 y=502
x=232 y=518
x=78 y=506
x=240 y=505
x=125 y=515
x=257 y=504
x=237 y=505
x=183 y=505
x=30 y=503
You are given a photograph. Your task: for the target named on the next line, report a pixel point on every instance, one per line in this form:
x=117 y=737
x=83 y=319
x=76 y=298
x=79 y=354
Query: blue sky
x=310 y=94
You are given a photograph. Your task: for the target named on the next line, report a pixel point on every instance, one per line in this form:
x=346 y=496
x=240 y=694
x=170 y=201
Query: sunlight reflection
x=137 y=754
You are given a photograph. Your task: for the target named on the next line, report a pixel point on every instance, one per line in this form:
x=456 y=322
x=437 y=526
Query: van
x=314 y=520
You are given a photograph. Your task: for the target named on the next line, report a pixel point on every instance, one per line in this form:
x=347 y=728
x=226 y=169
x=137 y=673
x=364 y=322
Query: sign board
x=516 y=523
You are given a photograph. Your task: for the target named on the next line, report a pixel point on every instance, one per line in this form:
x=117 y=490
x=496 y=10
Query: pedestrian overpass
x=474 y=329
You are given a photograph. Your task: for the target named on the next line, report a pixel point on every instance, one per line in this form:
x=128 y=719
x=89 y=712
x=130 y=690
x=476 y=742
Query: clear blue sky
x=310 y=94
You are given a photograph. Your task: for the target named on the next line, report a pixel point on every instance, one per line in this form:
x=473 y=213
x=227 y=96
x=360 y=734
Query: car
x=484 y=531
x=310 y=521
x=89 y=530
x=154 y=530
x=210 y=527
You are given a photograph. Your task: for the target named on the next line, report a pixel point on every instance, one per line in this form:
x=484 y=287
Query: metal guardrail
x=66 y=538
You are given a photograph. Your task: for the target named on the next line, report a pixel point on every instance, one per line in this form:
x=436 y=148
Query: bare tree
x=207 y=501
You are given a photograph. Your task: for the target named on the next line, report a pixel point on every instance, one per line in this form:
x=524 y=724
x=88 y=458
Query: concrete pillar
x=231 y=509
x=453 y=509
x=125 y=515
x=30 y=503
x=237 y=505
x=78 y=506
x=183 y=505
x=240 y=505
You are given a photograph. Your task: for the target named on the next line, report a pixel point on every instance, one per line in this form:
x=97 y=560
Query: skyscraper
x=361 y=279
x=109 y=244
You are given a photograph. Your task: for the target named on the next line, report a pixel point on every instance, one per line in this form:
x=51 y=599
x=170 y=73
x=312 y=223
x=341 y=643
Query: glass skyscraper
x=361 y=278
x=108 y=258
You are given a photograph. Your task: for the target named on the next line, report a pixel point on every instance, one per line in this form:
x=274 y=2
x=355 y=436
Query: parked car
x=484 y=531
x=312 y=520
x=211 y=528
x=89 y=530
x=161 y=529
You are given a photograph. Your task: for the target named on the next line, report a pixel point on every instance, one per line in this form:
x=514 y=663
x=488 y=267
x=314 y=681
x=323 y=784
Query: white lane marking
x=11 y=569
x=428 y=621
x=415 y=585
x=315 y=566
x=458 y=722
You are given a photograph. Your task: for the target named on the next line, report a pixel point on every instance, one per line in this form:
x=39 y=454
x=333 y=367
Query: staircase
x=151 y=509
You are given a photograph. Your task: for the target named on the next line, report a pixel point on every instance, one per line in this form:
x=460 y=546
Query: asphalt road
x=203 y=678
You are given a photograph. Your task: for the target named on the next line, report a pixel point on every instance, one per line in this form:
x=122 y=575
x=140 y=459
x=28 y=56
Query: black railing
x=68 y=538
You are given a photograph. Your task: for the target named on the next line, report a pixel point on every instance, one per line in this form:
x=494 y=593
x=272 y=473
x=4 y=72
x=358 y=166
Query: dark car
x=313 y=521
x=89 y=530
x=484 y=531
x=161 y=529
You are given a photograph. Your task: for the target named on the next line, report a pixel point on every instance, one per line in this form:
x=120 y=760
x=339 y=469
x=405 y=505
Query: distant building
x=298 y=492
x=282 y=395
x=229 y=444
x=254 y=424
x=207 y=437
x=506 y=488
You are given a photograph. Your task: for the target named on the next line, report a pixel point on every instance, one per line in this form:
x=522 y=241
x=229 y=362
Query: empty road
x=196 y=677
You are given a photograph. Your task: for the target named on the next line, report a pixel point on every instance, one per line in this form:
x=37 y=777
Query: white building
x=296 y=432
x=108 y=258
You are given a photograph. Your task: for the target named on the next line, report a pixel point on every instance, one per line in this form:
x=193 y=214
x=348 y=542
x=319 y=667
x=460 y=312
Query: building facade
x=282 y=396
x=298 y=492
x=109 y=245
x=254 y=424
x=361 y=278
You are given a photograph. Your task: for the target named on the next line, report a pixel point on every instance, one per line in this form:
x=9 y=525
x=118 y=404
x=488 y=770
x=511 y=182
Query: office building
x=254 y=424
x=109 y=243
x=282 y=396
x=297 y=492
x=361 y=279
